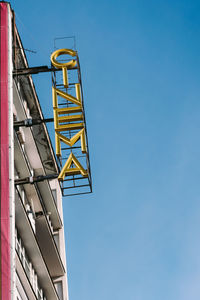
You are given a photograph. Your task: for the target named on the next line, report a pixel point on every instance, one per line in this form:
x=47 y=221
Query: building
x=32 y=248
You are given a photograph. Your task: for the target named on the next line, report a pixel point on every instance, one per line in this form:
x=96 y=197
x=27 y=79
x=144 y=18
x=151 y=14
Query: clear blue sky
x=137 y=237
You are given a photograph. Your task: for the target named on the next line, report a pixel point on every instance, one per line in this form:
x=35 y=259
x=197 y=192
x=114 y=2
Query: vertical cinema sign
x=68 y=116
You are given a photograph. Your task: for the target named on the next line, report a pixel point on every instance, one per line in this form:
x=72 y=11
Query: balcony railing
x=28 y=268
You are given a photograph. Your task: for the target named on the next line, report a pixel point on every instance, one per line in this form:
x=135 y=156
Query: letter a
x=67 y=170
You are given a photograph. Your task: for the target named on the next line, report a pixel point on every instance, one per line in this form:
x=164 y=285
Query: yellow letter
x=67 y=170
x=66 y=96
x=71 y=142
x=64 y=66
x=69 y=65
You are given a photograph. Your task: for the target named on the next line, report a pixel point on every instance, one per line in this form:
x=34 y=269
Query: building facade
x=32 y=248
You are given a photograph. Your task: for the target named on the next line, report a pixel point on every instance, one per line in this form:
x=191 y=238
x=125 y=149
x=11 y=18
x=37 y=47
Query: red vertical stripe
x=4 y=164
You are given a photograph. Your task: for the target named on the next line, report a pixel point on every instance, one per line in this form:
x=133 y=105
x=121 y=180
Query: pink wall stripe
x=4 y=156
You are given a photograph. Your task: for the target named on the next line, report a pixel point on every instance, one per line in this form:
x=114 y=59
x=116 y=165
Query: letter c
x=69 y=65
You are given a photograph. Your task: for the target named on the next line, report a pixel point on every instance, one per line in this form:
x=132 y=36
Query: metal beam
x=34 y=179
x=34 y=70
x=30 y=122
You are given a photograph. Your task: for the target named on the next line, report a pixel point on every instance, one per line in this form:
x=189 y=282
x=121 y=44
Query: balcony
x=31 y=278
x=28 y=159
x=33 y=250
